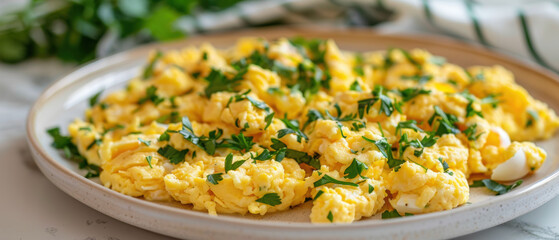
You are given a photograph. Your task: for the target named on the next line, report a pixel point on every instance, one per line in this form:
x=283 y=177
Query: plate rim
x=96 y=65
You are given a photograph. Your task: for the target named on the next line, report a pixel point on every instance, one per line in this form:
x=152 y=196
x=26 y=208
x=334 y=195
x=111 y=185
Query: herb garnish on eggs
x=263 y=126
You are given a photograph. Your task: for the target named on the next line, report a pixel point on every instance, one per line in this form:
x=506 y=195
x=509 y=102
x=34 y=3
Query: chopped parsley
x=355 y=169
x=271 y=199
x=446 y=122
x=239 y=142
x=214 y=178
x=148 y=159
x=268 y=119
x=93 y=100
x=491 y=99
x=386 y=104
x=371 y=188
x=410 y=124
x=355 y=86
x=292 y=128
x=245 y=96
x=496 y=187
x=471 y=132
x=207 y=143
x=172 y=117
x=420 y=79
x=71 y=152
x=470 y=111
x=445 y=166
x=263 y=156
x=147 y=143
x=218 y=82
x=230 y=165
x=175 y=156
x=151 y=96
x=312 y=115
x=386 y=150
x=320 y=192
x=327 y=179
x=330 y=216
x=282 y=151
x=410 y=93
x=148 y=71
x=532 y=117
x=390 y=214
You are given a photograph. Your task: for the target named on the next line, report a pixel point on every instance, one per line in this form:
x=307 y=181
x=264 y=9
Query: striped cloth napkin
x=525 y=29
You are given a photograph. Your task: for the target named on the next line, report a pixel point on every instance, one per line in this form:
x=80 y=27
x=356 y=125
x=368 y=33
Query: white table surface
x=31 y=207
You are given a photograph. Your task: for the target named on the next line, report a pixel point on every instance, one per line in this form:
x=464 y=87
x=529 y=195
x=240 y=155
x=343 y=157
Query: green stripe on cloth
x=475 y=21
x=427 y=12
x=528 y=39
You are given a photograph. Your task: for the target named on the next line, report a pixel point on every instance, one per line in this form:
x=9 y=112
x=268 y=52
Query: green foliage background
x=72 y=29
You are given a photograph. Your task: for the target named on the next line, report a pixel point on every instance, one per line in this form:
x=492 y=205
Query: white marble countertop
x=31 y=207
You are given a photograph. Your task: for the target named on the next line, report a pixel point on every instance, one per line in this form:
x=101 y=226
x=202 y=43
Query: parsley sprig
x=496 y=187
x=71 y=152
x=387 y=106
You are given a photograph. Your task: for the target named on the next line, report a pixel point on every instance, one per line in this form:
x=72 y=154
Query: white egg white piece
x=406 y=204
x=504 y=138
x=512 y=169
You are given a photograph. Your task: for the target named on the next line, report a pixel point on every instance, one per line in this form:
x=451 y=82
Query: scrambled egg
x=265 y=126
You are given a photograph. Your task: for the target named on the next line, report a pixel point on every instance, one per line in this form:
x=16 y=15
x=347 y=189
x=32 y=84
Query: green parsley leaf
x=218 y=82
x=327 y=179
x=420 y=79
x=355 y=86
x=214 y=178
x=292 y=128
x=446 y=122
x=230 y=165
x=445 y=166
x=320 y=192
x=470 y=111
x=354 y=169
x=95 y=142
x=268 y=119
x=245 y=96
x=148 y=159
x=371 y=188
x=386 y=106
x=532 y=117
x=175 y=156
x=386 y=150
x=239 y=143
x=87 y=129
x=71 y=152
x=496 y=187
x=148 y=71
x=93 y=100
x=410 y=93
x=471 y=132
x=410 y=59
x=147 y=143
x=271 y=199
x=263 y=156
x=151 y=96
x=410 y=124
x=390 y=214
x=491 y=99
x=330 y=216
x=312 y=115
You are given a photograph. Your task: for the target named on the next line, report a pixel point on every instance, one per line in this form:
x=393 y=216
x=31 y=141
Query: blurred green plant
x=73 y=30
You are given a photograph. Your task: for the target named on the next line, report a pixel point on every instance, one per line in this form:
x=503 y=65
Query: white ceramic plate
x=66 y=99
